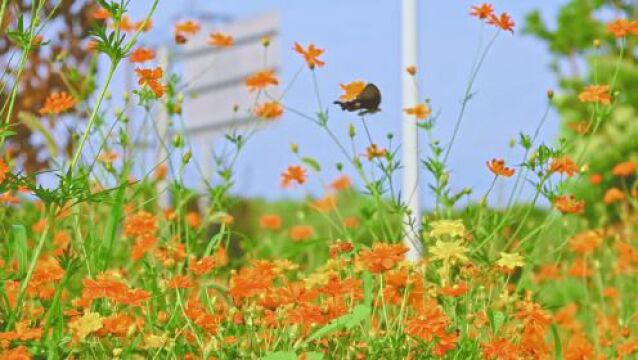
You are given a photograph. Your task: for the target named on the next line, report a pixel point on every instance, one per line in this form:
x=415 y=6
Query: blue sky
x=362 y=41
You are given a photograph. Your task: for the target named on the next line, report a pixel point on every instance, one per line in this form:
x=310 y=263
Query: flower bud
x=178 y=141
x=187 y=157
x=352 y=132
x=265 y=41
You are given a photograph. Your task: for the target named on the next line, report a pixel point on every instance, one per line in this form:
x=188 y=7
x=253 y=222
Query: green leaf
x=497 y=319
x=312 y=163
x=348 y=321
x=281 y=355
x=367 y=288
x=558 y=348
x=19 y=234
x=314 y=355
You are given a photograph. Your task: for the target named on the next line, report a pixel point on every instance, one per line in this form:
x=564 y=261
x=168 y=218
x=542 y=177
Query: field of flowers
x=95 y=266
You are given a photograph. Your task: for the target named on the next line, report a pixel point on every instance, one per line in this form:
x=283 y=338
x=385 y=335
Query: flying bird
x=367 y=101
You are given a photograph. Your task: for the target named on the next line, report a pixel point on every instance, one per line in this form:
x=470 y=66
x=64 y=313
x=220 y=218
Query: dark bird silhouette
x=367 y=101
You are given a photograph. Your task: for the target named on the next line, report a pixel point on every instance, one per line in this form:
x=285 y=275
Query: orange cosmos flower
x=18 y=353
x=504 y=22
x=261 y=80
x=108 y=157
x=351 y=222
x=117 y=324
x=420 y=111
x=595 y=179
x=142 y=223
x=311 y=55
x=220 y=40
x=581 y=127
x=270 y=110
x=622 y=27
x=499 y=348
x=9 y=198
x=374 y=151
x=188 y=27
x=143 y=244
x=57 y=103
x=548 y=272
x=325 y=204
x=294 y=174
x=4 y=170
x=100 y=14
x=127 y=25
x=625 y=169
x=180 y=282
x=160 y=172
x=340 y=248
x=613 y=195
x=104 y=288
x=351 y=90
x=382 y=257
x=151 y=78
x=193 y=219
x=596 y=94
x=563 y=165
x=141 y=55
x=270 y=222
x=341 y=183
x=498 y=168
x=586 y=242
x=301 y=232
x=483 y=11
x=455 y=290
x=567 y=204
x=580 y=268
x=429 y=324
x=203 y=265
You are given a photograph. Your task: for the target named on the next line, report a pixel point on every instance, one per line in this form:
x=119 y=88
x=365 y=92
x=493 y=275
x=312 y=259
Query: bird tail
x=342 y=104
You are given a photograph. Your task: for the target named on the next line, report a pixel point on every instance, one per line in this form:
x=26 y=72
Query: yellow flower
x=283 y=265
x=452 y=228
x=83 y=326
x=510 y=261
x=154 y=341
x=448 y=251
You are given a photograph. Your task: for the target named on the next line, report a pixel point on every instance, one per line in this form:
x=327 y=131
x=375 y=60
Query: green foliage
x=597 y=137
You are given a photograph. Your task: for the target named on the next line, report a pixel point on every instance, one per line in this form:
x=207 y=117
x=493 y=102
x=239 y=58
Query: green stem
x=94 y=115
x=34 y=260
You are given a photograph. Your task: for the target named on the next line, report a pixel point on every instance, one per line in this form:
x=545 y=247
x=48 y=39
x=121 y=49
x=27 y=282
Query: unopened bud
x=187 y=157
x=178 y=141
x=265 y=41
x=352 y=132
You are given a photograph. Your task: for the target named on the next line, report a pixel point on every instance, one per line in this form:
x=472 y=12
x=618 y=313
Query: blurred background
x=550 y=49
x=362 y=42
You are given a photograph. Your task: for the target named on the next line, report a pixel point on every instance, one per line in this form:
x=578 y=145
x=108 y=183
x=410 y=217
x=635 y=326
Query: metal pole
x=410 y=136
x=162 y=125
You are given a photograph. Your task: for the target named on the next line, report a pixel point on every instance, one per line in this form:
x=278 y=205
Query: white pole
x=162 y=125
x=410 y=136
